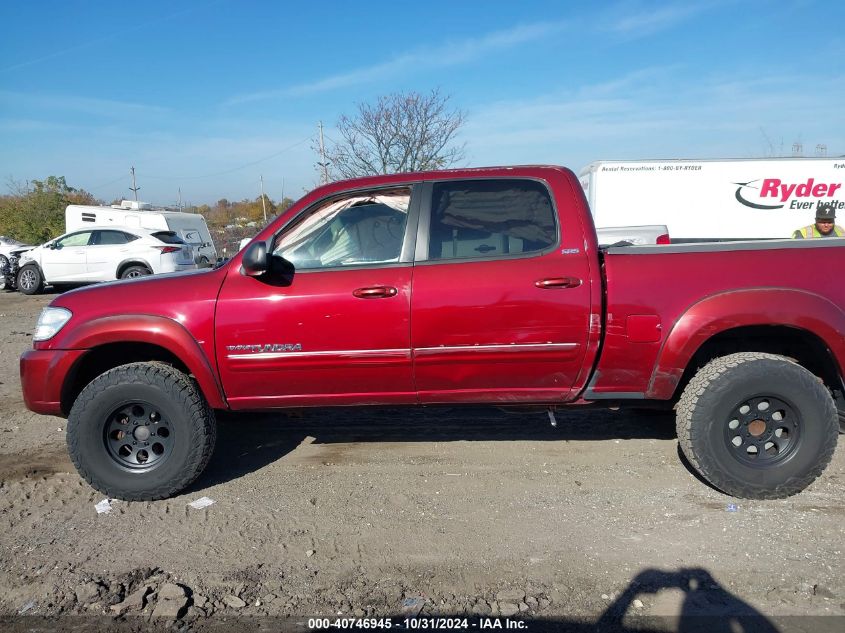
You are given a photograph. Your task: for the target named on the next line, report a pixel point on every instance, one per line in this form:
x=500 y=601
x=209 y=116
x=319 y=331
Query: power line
x=234 y=169
x=110 y=182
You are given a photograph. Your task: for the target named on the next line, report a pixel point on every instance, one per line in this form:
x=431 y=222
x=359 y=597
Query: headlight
x=50 y=321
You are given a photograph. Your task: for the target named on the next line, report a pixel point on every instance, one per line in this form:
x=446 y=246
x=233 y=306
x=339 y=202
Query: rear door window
x=474 y=219
x=109 y=238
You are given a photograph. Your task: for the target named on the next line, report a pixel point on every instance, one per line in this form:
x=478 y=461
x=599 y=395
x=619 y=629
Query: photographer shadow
x=706 y=606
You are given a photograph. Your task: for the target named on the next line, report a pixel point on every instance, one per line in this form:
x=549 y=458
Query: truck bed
x=657 y=295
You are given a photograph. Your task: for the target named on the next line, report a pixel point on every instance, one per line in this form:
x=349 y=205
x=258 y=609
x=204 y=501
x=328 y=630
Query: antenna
x=134 y=188
x=324 y=164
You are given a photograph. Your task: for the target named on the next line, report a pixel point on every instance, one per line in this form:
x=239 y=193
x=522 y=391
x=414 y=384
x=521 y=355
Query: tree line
x=34 y=212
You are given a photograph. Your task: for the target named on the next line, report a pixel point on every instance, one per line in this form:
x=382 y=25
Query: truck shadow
x=247 y=442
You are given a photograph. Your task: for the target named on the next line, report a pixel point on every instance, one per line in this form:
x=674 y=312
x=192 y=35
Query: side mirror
x=254 y=262
x=51 y=245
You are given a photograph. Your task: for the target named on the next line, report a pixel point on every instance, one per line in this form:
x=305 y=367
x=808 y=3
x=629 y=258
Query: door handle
x=558 y=282
x=375 y=292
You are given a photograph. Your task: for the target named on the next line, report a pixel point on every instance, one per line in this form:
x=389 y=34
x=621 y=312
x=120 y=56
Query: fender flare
x=740 y=308
x=155 y=330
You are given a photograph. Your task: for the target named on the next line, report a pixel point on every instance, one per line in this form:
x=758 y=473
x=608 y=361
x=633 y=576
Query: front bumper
x=43 y=373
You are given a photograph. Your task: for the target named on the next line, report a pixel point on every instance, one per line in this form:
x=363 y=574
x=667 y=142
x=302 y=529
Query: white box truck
x=702 y=200
x=191 y=227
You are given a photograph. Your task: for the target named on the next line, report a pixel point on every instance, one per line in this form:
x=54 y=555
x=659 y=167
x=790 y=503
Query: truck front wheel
x=141 y=432
x=757 y=426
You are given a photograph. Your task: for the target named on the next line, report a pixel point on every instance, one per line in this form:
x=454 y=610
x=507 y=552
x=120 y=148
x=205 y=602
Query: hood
x=171 y=295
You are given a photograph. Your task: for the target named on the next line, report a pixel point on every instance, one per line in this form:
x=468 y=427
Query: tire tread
x=179 y=386
x=691 y=436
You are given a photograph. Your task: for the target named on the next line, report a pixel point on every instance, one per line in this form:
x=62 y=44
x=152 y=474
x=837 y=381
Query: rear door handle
x=375 y=292
x=558 y=282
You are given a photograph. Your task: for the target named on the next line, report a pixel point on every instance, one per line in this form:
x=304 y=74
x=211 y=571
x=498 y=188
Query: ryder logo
x=802 y=195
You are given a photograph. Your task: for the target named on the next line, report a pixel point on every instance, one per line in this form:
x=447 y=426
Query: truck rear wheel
x=757 y=426
x=141 y=432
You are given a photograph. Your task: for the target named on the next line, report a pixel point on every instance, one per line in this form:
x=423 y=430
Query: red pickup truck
x=464 y=286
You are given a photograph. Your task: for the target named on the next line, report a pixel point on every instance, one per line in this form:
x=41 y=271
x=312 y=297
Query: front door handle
x=558 y=282
x=375 y=292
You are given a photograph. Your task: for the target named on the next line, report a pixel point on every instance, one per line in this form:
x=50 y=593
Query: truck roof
x=535 y=171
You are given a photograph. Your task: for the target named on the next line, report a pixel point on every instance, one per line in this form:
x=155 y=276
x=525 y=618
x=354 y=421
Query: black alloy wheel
x=763 y=431
x=757 y=425
x=138 y=436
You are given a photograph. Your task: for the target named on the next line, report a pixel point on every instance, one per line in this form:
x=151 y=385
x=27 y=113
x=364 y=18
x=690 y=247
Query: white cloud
x=659 y=113
x=650 y=21
x=86 y=105
x=448 y=54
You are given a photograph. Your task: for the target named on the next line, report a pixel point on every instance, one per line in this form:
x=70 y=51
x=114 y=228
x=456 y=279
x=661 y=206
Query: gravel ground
x=373 y=512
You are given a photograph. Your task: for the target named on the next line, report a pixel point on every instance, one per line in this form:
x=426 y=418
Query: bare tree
x=399 y=133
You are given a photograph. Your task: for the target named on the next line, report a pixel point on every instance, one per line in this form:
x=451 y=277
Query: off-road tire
x=178 y=397
x=704 y=410
x=33 y=273
x=133 y=272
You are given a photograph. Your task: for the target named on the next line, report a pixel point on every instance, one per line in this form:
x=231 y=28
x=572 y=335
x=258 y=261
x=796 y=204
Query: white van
x=702 y=200
x=191 y=227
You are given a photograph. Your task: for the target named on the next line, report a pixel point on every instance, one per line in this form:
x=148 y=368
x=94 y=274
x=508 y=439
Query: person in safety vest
x=824 y=226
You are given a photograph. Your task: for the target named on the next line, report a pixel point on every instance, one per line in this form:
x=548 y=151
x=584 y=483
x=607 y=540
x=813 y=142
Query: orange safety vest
x=811 y=231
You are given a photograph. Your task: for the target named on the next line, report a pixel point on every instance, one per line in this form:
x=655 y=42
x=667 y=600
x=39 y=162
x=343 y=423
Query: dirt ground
x=374 y=512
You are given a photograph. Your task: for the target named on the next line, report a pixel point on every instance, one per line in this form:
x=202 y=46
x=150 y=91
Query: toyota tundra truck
x=482 y=286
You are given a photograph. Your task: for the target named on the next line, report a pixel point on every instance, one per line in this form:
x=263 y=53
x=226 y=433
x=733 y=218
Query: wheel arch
x=118 y=340
x=793 y=323
x=135 y=261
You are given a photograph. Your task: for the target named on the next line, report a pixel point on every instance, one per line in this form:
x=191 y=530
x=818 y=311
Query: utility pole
x=263 y=201
x=134 y=188
x=324 y=164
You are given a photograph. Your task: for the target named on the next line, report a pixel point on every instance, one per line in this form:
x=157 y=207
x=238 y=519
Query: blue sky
x=210 y=94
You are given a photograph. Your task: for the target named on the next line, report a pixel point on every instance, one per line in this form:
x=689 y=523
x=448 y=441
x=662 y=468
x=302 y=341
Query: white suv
x=102 y=254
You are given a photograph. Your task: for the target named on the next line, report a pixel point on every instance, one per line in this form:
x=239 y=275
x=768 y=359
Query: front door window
x=360 y=230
